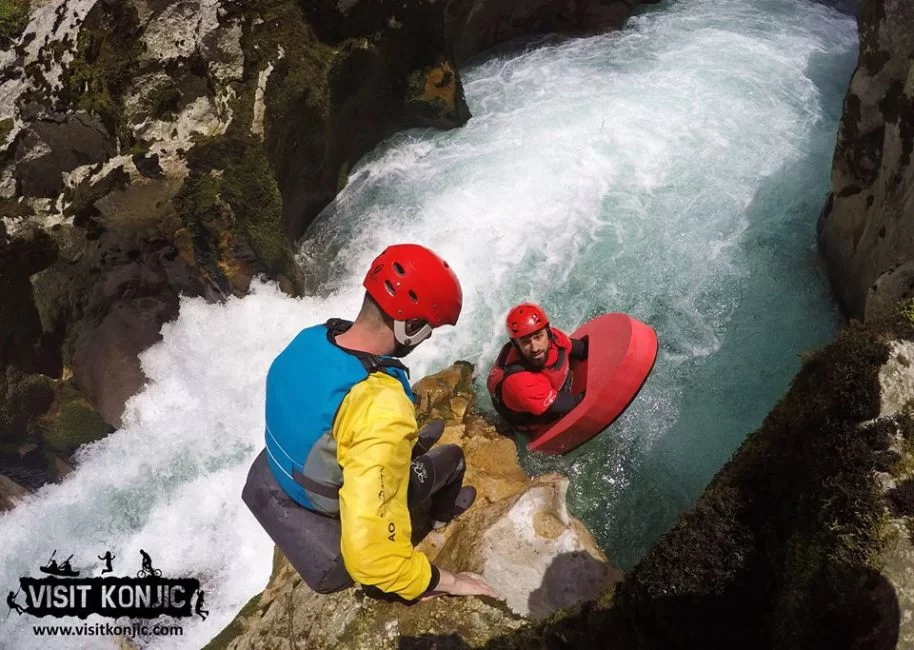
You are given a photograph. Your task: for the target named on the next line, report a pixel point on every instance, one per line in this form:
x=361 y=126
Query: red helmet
x=526 y=318
x=410 y=281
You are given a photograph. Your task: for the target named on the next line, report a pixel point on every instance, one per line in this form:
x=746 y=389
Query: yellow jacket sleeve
x=375 y=430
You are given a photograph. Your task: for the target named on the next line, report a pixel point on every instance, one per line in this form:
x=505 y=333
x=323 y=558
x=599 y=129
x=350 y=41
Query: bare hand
x=470 y=584
x=463 y=584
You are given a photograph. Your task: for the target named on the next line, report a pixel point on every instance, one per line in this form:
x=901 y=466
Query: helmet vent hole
x=390 y=288
x=413 y=296
x=398 y=269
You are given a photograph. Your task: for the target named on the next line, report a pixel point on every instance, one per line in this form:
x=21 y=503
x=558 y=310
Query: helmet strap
x=401 y=337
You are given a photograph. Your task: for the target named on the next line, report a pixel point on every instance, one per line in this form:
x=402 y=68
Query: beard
x=537 y=363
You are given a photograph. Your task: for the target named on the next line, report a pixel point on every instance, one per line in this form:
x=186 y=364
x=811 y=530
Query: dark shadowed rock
x=106 y=353
x=27 y=252
x=49 y=147
x=148 y=166
x=474 y=26
x=10 y=493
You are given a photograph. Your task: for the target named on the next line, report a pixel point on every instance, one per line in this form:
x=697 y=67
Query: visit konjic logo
x=145 y=595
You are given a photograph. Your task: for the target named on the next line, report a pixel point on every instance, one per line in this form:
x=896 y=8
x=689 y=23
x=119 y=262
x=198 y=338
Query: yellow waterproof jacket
x=375 y=430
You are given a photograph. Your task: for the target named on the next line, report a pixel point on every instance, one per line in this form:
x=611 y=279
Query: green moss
x=14 y=16
x=197 y=203
x=6 y=125
x=105 y=63
x=906 y=310
x=23 y=399
x=139 y=147
x=838 y=533
x=198 y=199
x=234 y=171
x=73 y=422
x=163 y=100
x=301 y=76
x=251 y=190
x=234 y=629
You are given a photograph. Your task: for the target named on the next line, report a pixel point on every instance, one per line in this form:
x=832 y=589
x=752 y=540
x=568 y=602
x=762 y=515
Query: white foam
x=170 y=480
x=623 y=161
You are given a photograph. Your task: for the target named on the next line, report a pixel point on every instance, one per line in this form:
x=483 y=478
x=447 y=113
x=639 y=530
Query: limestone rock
x=865 y=231
x=533 y=553
x=894 y=285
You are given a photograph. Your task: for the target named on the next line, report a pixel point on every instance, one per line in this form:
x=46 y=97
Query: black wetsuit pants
x=435 y=479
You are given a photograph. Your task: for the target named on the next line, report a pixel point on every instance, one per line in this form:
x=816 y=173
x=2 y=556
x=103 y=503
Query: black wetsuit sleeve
x=578 y=349
x=436 y=578
x=564 y=403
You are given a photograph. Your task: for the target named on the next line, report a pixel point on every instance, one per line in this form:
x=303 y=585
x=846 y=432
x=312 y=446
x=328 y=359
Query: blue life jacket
x=306 y=384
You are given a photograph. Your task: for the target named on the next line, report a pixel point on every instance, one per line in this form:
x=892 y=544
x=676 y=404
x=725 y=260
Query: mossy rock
x=232 y=172
x=163 y=101
x=906 y=311
x=6 y=125
x=23 y=399
x=105 y=63
x=302 y=75
x=72 y=421
x=14 y=16
x=781 y=548
x=234 y=629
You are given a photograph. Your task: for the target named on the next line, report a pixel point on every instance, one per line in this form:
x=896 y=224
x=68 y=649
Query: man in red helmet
x=530 y=383
x=345 y=467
